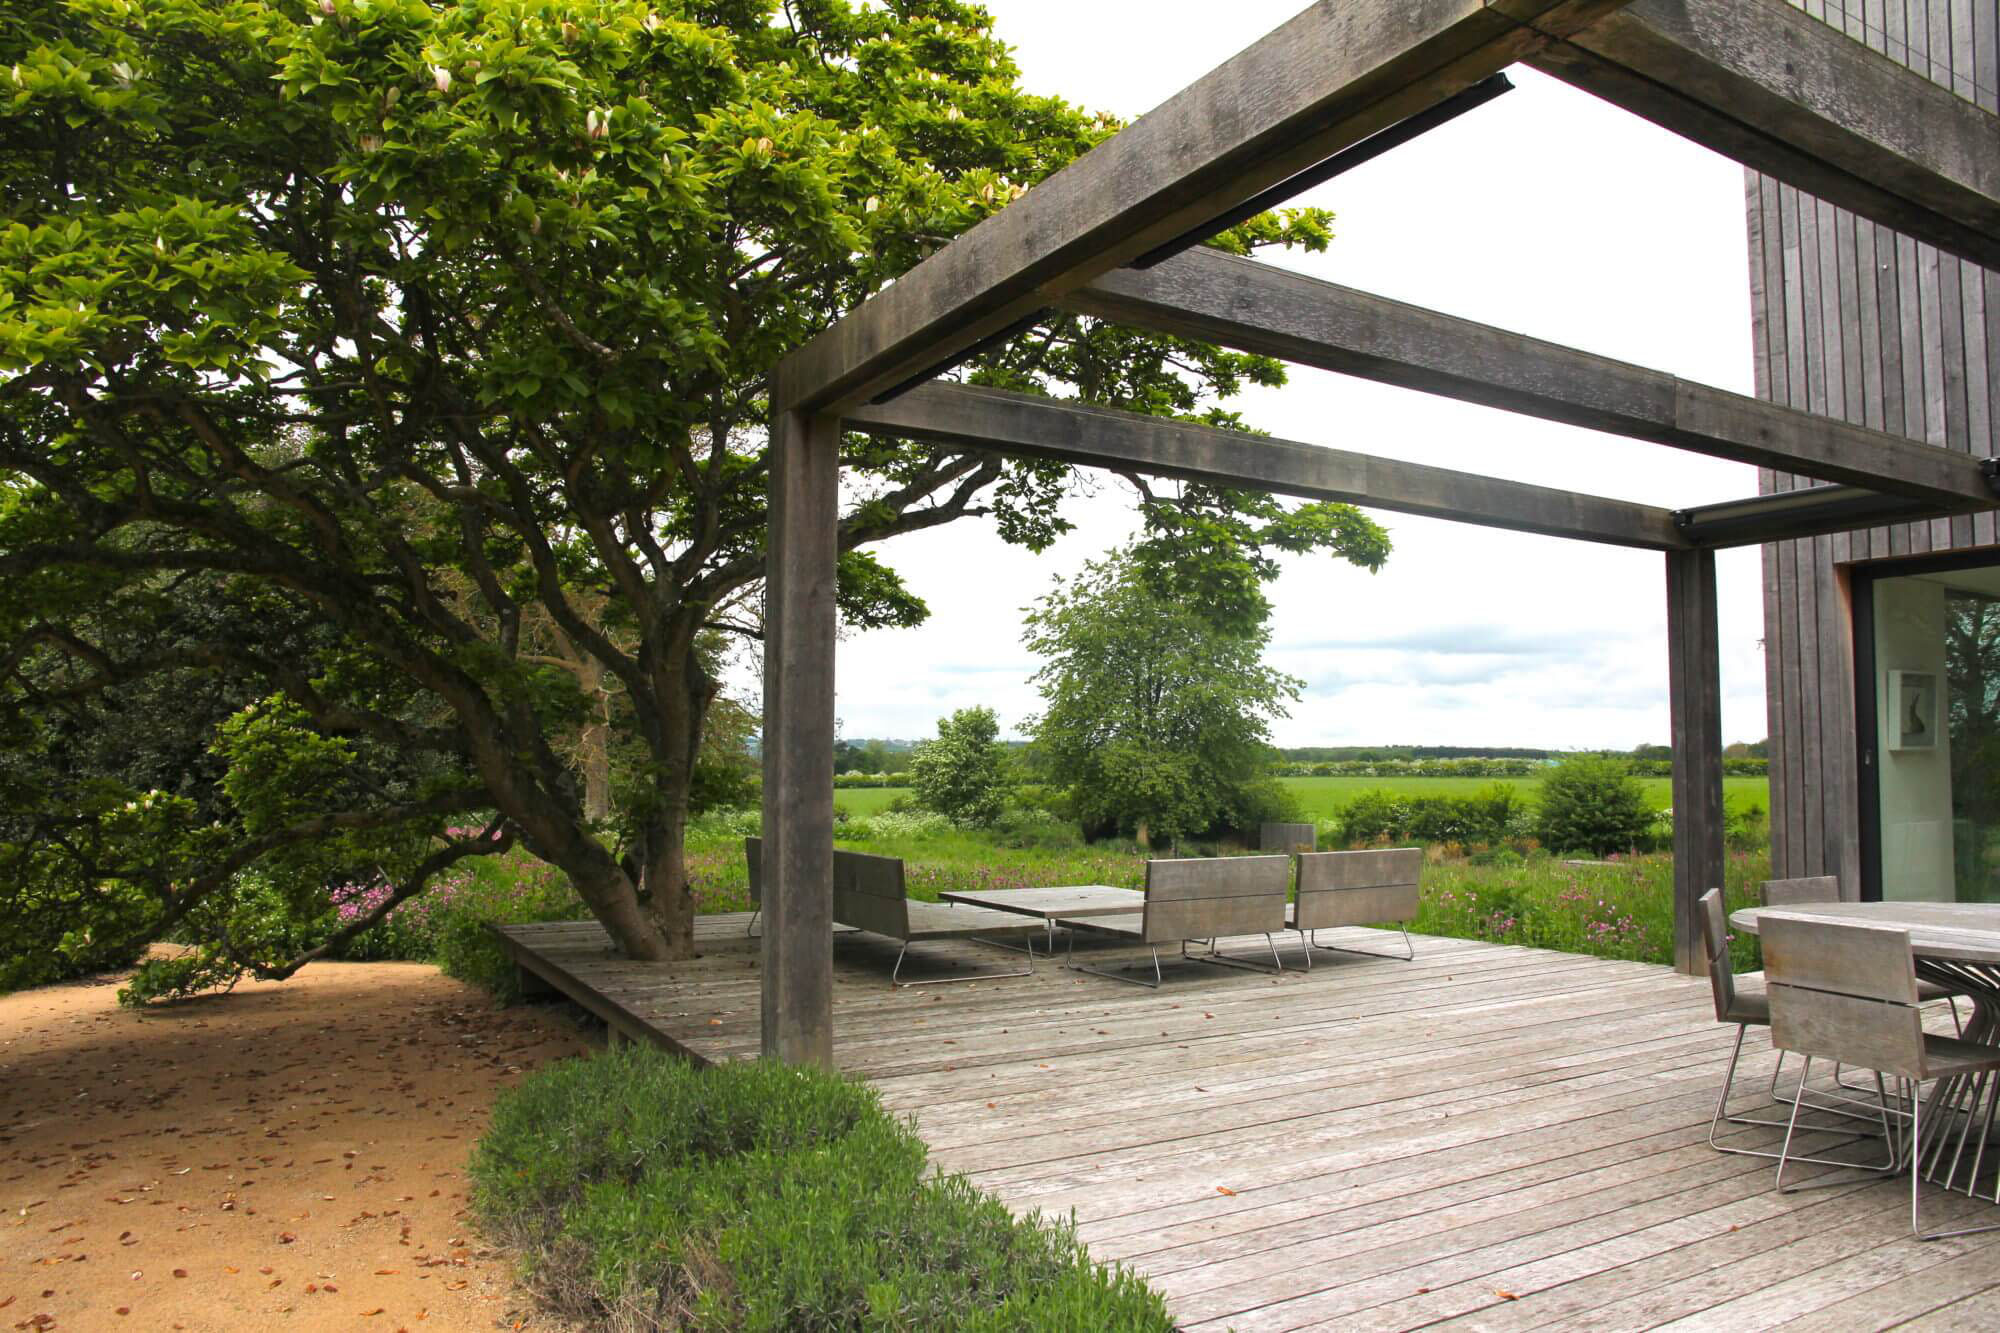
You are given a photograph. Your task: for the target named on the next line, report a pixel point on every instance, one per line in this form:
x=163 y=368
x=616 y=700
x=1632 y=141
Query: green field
x=1321 y=797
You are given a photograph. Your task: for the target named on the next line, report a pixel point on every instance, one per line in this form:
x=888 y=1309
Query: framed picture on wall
x=1913 y=713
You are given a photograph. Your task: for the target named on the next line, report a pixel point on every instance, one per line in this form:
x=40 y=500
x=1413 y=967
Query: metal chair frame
x=1218 y=959
x=1867 y=972
x=1311 y=942
x=896 y=972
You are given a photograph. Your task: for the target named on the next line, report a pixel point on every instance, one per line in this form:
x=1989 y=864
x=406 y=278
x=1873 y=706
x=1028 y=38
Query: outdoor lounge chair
x=1355 y=889
x=869 y=895
x=1202 y=898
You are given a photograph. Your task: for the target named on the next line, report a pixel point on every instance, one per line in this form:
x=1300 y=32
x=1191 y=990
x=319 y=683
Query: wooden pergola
x=1757 y=80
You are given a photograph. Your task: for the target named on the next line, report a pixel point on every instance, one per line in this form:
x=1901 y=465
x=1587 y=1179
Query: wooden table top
x=1963 y=932
x=1064 y=900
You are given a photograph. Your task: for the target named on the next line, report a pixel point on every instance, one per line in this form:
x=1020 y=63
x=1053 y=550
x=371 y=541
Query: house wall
x=1855 y=321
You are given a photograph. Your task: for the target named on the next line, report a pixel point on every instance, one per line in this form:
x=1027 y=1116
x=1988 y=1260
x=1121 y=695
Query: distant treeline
x=1375 y=754
x=1487 y=768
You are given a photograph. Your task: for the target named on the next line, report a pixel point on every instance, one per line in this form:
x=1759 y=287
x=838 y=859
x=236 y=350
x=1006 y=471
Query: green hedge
x=645 y=1194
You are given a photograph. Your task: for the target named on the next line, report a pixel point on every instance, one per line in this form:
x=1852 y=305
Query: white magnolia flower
x=442 y=77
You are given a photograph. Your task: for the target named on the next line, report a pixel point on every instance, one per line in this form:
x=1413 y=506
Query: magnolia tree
x=389 y=378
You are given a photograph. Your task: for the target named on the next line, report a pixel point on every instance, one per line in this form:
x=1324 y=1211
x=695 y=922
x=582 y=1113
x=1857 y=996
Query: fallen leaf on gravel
x=286 y=1238
x=370 y=1314
x=180 y=1272
x=386 y=1272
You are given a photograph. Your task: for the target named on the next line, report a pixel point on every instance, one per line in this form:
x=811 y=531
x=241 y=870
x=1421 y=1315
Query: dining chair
x=1742 y=1001
x=1847 y=991
x=1806 y=890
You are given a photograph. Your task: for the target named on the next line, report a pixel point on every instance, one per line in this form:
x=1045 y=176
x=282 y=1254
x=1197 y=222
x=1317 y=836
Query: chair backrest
x=1844 y=991
x=1798 y=892
x=869 y=894
x=1202 y=898
x=1715 y=944
x=753 y=852
x=1358 y=888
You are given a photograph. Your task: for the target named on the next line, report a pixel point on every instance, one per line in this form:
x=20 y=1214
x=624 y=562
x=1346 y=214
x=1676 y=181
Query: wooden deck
x=1488 y=1137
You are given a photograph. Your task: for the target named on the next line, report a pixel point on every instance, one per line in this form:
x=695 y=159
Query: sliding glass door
x=1928 y=678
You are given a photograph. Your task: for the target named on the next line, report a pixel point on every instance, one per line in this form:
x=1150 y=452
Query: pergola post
x=1694 y=674
x=798 y=738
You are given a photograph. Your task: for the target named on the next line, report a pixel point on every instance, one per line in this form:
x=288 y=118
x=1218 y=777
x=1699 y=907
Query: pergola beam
x=1255 y=307
x=1329 y=78
x=1778 y=90
x=1015 y=423
x=1815 y=511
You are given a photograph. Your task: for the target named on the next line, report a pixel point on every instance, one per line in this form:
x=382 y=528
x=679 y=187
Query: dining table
x=1050 y=902
x=1956 y=945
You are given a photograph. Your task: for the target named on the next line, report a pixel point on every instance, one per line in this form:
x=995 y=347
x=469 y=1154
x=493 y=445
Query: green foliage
x=1491 y=814
x=1623 y=909
x=963 y=774
x=1593 y=804
x=1157 y=718
x=433 y=342
x=646 y=1193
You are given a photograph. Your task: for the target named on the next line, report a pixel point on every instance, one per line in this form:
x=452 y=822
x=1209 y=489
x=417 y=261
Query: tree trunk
x=595 y=745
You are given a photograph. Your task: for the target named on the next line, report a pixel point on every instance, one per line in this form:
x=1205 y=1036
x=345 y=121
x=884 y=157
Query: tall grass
x=1620 y=908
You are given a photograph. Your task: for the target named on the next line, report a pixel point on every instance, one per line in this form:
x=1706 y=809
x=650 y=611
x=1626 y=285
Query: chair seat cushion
x=1750 y=1004
x=1951 y=1055
x=1131 y=926
x=944 y=921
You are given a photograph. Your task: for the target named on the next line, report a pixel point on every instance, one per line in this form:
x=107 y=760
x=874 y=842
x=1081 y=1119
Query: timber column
x=798 y=737
x=1694 y=675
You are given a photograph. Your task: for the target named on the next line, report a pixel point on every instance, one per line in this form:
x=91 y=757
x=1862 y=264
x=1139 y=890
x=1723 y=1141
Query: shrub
x=1593 y=804
x=1492 y=814
x=896 y=824
x=644 y=1193
x=963 y=773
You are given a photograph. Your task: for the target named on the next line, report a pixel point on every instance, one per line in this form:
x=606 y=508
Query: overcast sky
x=1545 y=212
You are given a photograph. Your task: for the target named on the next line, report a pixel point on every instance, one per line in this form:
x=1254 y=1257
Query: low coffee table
x=1071 y=900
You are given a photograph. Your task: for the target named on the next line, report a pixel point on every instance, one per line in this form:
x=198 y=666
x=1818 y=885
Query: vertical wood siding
x=1859 y=322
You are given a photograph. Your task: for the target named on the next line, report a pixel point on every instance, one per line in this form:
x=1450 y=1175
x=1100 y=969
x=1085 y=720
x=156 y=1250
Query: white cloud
x=1546 y=212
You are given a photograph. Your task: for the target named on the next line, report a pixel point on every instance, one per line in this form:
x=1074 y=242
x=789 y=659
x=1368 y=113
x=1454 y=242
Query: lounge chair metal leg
x=1409 y=949
x=751 y=929
x=895 y=973
x=1069 y=961
x=1229 y=960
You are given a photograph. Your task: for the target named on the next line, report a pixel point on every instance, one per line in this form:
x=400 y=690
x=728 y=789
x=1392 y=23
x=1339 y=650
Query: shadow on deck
x=1487 y=1137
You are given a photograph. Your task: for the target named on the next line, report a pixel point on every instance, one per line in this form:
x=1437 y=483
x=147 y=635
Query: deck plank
x=1489 y=1137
